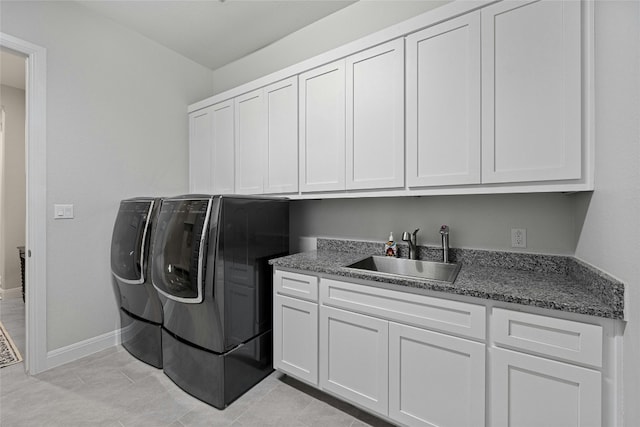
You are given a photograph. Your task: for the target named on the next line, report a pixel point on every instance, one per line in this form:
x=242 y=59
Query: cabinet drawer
x=442 y=315
x=548 y=336
x=296 y=285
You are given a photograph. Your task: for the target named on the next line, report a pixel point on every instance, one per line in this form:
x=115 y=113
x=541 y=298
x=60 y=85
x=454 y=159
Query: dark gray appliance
x=210 y=266
x=140 y=308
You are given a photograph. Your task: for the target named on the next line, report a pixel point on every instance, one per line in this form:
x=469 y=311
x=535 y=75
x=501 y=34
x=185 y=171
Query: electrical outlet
x=518 y=237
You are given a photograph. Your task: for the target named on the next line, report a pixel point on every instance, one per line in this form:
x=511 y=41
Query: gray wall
x=12 y=204
x=116 y=128
x=610 y=236
x=477 y=221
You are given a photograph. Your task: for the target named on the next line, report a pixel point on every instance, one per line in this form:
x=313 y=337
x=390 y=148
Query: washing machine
x=140 y=309
x=210 y=266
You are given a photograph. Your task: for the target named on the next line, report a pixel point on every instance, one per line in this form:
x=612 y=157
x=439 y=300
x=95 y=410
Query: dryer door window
x=128 y=240
x=179 y=249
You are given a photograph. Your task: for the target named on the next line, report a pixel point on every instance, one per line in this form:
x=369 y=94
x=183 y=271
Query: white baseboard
x=81 y=349
x=11 y=292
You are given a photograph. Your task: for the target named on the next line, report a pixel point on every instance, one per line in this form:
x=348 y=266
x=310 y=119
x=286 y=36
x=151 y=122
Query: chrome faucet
x=411 y=240
x=444 y=233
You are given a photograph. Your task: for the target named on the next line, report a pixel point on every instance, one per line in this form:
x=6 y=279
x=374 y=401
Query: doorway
x=12 y=194
x=35 y=356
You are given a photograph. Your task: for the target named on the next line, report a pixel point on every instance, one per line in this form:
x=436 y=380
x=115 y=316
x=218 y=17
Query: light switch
x=62 y=211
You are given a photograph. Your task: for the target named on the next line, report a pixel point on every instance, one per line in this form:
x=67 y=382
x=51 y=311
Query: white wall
x=344 y=26
x=116 y=128
x=12 y=203
x=610 y=235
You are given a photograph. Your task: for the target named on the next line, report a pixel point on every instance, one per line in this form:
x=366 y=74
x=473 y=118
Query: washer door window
x=179 y=249
x=129 y=240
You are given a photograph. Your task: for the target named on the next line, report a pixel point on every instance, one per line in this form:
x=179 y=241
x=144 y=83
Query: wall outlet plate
x=62 y=211
x=518 y=237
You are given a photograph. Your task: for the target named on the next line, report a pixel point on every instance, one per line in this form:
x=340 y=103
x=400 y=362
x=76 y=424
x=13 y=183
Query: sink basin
x=432 y=270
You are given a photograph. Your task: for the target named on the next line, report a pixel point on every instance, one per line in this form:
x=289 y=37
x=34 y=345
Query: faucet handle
x=416 y=231
x=444 y=229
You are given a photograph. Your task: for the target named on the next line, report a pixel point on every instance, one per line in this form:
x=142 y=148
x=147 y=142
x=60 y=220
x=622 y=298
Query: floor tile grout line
x=127 y=376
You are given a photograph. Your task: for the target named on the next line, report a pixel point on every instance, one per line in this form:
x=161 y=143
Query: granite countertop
x=547 y=281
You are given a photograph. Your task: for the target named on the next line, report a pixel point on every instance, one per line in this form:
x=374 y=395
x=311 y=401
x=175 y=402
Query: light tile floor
x=12 y=317
x=112 y=388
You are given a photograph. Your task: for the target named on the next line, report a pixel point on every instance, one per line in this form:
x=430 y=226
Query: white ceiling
x=212 y=32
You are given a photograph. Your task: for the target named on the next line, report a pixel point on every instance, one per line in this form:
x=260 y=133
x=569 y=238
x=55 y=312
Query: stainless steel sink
x=432 y=270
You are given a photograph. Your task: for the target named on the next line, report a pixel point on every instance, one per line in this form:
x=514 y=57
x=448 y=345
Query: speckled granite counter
x=547 y=281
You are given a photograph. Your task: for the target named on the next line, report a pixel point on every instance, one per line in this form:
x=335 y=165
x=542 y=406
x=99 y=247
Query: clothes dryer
x=140 y=308
x=210 y=266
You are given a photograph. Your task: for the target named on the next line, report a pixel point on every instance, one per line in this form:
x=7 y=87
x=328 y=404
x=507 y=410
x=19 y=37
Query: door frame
x=36 y=201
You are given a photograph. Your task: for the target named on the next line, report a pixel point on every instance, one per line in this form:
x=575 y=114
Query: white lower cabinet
x=352 y=345
x=295 y=341
x=435 y=379
x=407 y=358
x=530 y=391
x=546 y=387
x=354 y=357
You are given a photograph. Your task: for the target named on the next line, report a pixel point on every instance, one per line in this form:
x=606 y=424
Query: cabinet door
x=375 y=117
x=531 y=111
x=281 y=169
x=529 y=391
x=295 y=338
x=251 y=132
x=443 y=103
x=354 y=357
x=222 y=171
x=200 y=150
x=322 y=128
x=435 y=379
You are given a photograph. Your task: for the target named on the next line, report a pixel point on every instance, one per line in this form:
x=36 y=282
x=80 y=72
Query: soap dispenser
x=390 y=248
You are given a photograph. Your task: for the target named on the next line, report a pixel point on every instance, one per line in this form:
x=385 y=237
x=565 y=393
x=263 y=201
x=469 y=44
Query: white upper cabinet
x=490 y=97
x=375 y=117
x=222 y=165
x=281 y=169
x=251 y=132
x=267 y=139
x=322 y=128
x=443 y=103
x=200 y=150
x=531 y=56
